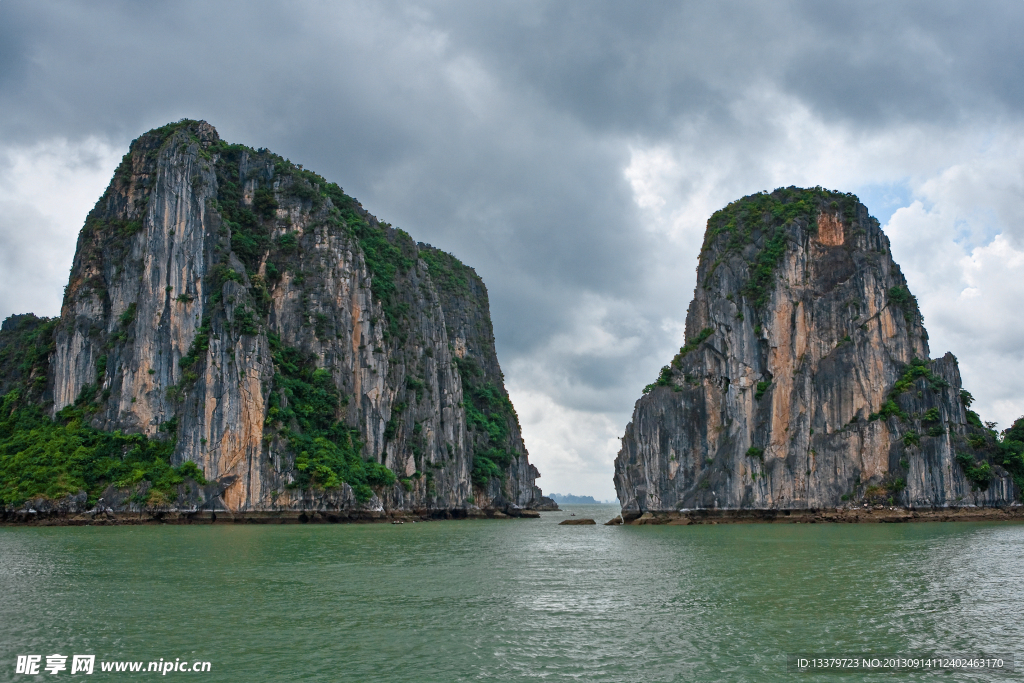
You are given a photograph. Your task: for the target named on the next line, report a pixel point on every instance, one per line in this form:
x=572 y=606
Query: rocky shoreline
x=851 y=515
x=108 y=518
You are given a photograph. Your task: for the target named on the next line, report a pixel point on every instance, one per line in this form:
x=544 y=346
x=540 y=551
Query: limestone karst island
x=239 y=336
x=805 y=382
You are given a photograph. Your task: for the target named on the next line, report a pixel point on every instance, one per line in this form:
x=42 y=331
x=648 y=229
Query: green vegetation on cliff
x=250 y=233
x=907 y=302
x=40 y=457
x=1010 y=451
x=251 y=221
x=327 y=451
x=759 y=219
x=44 y=458
x=743 y=218
x=304 y=407
x=388 y=255
x=26 y=343
x=990 y=448
x=489 y=413
x=915 y=370
x=666 y=374
x=447 y=271
x=979 y=474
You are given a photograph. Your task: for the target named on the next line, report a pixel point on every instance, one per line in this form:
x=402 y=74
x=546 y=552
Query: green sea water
x=509 y=600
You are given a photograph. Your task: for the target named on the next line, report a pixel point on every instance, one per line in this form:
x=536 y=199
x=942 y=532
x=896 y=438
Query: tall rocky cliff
x=806 y=380
x=260 y=323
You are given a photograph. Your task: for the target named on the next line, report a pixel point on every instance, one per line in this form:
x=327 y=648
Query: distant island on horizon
x=570 y=499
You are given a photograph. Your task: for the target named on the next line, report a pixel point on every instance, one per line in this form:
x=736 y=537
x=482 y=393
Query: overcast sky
x=570 y=152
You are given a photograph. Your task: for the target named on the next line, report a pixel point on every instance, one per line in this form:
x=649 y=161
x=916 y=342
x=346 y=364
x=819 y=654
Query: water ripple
x=520 y=600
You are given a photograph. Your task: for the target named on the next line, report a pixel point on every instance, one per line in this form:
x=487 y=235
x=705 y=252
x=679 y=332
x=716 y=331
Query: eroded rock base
x=22 y=518
x=876 y=514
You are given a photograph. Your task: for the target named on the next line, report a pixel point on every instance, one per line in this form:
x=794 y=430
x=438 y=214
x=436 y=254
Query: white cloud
x=970 y=303
x=958 y=237
x=573 y=449
x=961 y=246
x=46 y=190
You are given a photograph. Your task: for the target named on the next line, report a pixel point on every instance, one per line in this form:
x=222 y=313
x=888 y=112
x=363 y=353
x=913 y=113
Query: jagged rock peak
x=805 y=379
x=263 y=325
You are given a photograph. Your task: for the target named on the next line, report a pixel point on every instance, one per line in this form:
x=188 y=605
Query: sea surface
x=510 y=600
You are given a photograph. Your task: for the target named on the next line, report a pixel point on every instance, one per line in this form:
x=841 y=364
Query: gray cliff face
x=210 y=278
x=786 y=395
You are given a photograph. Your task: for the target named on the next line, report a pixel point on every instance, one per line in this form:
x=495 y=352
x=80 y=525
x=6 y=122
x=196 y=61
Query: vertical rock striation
x=303 y=354
x=806 y=381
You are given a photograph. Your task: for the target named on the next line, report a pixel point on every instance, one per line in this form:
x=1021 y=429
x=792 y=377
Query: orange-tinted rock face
x=811 y=327
x=830 y=229
x=159 y=268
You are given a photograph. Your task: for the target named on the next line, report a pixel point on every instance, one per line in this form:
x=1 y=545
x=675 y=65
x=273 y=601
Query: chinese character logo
x=28 y=664
x=82 y=664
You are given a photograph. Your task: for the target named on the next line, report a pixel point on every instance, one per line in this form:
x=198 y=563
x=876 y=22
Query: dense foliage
x=25 y=347
x=741 y=218
x=762 y=387
x=304 y=410
x=446 y=271
x=907 y=302
x=762 y=217
x=979 y=474
x=1010 y=452
x=489 y=414
x=762 y=270
x=250 y=233
x=1005 y=450
x=40 y=457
